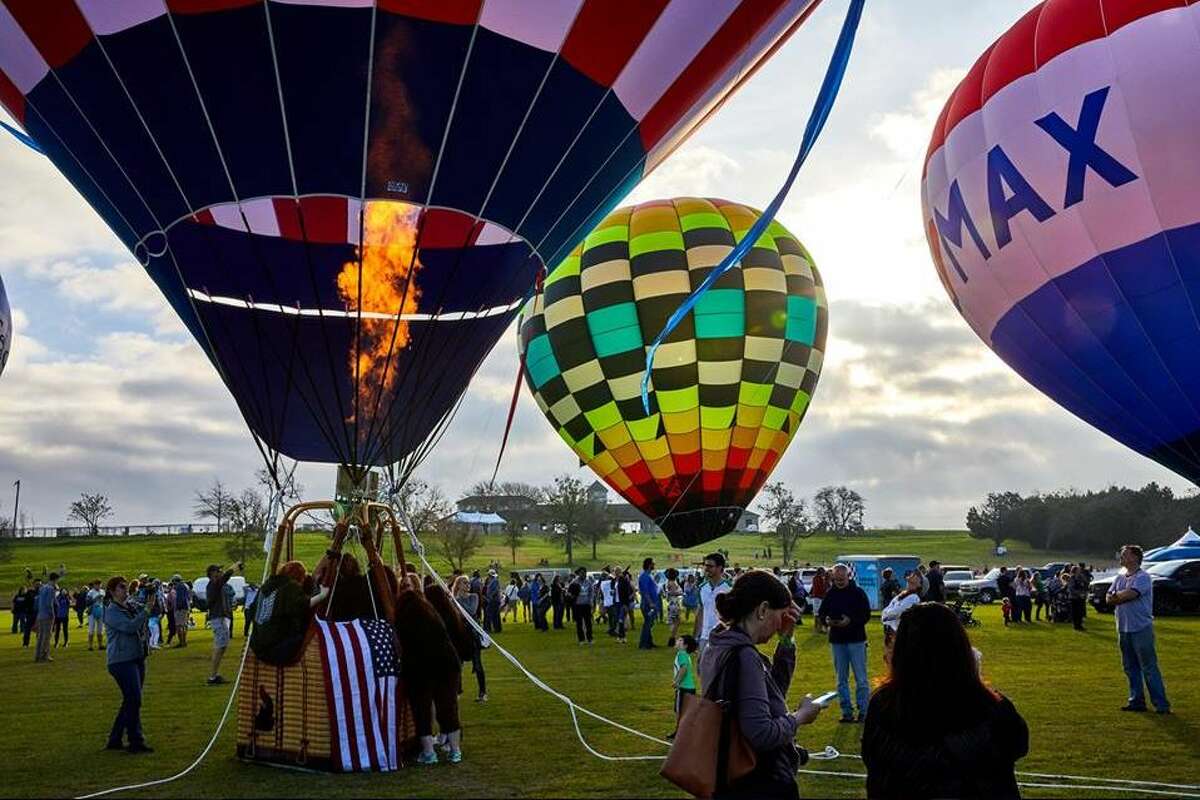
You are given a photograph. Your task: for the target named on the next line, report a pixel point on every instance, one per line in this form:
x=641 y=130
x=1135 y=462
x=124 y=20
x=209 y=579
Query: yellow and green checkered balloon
x=730 y=385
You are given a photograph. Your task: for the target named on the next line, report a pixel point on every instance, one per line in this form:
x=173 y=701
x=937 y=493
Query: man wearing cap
x=183 y=608
x=714 y=583
x=220 y=615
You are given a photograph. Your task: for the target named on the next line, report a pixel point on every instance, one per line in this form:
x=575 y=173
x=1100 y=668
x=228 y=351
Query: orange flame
x=382 y=281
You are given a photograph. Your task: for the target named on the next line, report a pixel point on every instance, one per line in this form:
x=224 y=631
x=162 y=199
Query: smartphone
x=824 y=700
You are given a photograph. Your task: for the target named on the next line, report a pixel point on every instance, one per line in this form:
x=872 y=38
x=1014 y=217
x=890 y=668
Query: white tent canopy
x=1189 y=539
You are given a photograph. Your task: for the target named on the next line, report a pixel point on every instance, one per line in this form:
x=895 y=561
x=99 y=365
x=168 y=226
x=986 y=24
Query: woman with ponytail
x=756 y=609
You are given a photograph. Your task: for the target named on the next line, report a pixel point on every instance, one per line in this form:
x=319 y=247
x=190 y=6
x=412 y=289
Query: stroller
x=966 y=613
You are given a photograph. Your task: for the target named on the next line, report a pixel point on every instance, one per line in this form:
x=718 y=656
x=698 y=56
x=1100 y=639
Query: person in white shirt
x=606 y=601
x=714 y=583
x=900 y=603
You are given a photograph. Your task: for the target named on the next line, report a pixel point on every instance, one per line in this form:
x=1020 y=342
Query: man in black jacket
x=937 y=584
x=846 y=611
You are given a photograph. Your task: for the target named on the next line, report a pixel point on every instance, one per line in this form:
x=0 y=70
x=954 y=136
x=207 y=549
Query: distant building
x=535 y=518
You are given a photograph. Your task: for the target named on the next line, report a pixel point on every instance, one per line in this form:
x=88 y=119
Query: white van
x=200 y=596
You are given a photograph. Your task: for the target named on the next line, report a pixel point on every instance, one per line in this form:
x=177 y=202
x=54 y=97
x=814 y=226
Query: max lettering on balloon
x=1009 y=193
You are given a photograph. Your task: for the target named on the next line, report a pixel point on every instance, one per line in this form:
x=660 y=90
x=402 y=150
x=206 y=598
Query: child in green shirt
x=685 y=674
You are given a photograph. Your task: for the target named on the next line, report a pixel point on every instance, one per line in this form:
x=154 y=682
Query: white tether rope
x=830 y=753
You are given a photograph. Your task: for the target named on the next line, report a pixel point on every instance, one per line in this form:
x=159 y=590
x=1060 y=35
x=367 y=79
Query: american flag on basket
x=359 y=660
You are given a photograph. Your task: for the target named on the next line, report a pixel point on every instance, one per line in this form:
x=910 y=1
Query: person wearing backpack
x=754 y=611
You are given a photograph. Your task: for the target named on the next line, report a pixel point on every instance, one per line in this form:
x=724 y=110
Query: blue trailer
x=868 y=571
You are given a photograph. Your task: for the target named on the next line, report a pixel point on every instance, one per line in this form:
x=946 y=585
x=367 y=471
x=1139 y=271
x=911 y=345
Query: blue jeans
x=129 y=675
x=848 y=656
x=649 y=612
x=1141 y=662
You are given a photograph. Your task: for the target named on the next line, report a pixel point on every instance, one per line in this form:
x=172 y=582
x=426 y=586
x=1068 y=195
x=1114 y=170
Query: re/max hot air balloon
x=6 y=329
x=346 y=200
x=1062 y=208
x=731 y=384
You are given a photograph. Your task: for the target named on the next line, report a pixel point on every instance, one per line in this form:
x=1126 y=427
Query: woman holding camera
x=756 y=609
x=127 y=626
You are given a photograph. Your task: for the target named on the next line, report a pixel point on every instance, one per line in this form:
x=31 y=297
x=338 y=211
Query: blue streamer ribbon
x=816 y=121
x=22 y=137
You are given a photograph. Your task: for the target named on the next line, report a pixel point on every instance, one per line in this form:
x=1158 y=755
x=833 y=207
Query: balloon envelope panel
x=1062 y=214
x=6 y=329
x=237 y=147
x=731 y=384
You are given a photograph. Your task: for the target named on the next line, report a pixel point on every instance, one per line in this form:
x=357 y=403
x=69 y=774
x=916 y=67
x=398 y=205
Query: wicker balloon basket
x=284 y=713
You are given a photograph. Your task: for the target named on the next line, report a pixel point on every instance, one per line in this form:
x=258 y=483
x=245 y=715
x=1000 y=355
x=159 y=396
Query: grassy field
x=1068 y=685
x=189 y=555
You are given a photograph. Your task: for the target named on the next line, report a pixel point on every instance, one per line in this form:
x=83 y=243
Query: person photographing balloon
x=127 y=627
x=220 y=614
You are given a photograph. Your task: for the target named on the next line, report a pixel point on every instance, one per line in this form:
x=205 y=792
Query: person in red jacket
x=816 y=595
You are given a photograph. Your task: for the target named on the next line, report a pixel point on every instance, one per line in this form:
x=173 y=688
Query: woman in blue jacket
x=127 y=626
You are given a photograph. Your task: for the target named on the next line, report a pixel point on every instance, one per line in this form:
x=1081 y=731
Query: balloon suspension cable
x=534 y=290
x=820 y=113
x=23 y=138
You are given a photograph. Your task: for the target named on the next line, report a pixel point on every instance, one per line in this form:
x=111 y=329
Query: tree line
x=836 y=510
x=1092 y=521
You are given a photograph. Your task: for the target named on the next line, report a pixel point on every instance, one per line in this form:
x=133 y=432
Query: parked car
x=1176 y=587
x=1053 y=568
x=200 y=596
x=957 y=568
x=955 y=578
x=983 y=589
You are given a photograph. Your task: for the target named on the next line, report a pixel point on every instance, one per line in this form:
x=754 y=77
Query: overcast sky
x=106 y=392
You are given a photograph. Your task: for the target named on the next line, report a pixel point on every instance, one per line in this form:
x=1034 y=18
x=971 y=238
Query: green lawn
x=189 y=555
x=1067 y=684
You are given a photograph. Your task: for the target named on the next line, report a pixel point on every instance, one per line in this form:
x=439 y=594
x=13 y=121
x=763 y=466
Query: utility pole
x=17 y=509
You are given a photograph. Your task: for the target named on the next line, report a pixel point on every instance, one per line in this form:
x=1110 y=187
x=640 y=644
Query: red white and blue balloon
x=1061 y=202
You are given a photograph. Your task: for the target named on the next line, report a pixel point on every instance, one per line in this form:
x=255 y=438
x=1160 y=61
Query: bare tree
x=423 y=503
x=571 y=515
x=214 y=503
x=456 y=541
x=90 y=509
x=292 y=489
x=839 y=510
x=513 y=537
x=508 y=489
x=789 y=515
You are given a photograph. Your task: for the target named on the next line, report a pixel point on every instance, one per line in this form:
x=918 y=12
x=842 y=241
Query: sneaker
x=114 y=746
x=1132 y=707
x=427 y=758
x=455 y=756
x=1166 y=710
x=139 y=747
x=848 y=718
x=481 y=698
x=215 y=680
x=862 y=717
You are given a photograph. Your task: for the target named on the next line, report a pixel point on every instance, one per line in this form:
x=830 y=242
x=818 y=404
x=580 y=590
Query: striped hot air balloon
x=346 y=201
x=731 y=384
x=1062 y=209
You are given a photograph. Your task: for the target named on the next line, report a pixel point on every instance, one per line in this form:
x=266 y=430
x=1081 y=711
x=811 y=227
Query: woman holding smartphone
x=754 y=611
